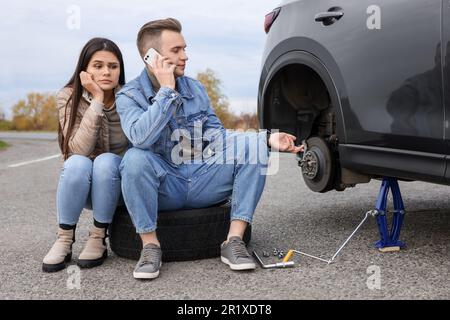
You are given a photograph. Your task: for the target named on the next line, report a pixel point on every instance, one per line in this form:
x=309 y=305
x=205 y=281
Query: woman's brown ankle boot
x=61 y=251
x=95 y=251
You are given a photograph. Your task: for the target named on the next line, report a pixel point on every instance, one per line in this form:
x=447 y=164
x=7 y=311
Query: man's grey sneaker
x=235 y=254
x=149 y=263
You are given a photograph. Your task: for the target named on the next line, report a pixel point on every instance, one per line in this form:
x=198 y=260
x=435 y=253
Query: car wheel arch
x=336 y=91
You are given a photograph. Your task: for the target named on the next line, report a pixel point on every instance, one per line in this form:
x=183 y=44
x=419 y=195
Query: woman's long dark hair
x=91 y=47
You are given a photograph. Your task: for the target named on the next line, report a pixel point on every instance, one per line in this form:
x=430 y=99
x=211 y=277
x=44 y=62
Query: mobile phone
x=150 y=55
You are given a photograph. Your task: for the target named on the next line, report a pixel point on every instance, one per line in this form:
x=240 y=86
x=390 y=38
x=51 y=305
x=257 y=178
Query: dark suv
x=366 y=86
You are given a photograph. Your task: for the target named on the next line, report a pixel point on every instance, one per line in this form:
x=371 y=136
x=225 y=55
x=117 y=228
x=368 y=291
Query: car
x=365 y=86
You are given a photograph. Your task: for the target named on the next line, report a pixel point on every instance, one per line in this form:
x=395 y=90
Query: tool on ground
x=389 y=241
x=291 y=252
x=273 y=265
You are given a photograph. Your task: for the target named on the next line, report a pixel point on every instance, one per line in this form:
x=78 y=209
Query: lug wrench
x=274 y=265
x=291 y=252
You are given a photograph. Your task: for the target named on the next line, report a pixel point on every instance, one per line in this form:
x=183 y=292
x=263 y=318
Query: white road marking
x=33 y=161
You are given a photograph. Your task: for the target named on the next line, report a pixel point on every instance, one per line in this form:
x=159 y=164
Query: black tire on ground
x=184 y=234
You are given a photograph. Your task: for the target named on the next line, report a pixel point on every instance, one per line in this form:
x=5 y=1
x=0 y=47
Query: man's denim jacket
x=149 y=119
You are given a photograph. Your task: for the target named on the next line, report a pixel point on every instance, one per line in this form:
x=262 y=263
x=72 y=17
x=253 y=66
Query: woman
x=92 y=143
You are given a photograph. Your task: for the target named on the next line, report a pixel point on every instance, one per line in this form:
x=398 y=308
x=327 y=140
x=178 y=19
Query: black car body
x=367 y=88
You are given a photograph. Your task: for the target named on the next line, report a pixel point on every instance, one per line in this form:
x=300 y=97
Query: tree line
x=38 y=112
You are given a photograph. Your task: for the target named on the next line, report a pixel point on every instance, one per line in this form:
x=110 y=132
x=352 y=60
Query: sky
x=40 y=41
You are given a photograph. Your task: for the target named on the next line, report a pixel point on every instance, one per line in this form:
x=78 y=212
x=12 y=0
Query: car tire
x=190 y=234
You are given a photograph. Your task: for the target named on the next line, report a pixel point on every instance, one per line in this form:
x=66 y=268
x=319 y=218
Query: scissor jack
x=389 y=240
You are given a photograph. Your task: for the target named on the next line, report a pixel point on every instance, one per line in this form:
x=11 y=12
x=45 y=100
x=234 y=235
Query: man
x=182 y=157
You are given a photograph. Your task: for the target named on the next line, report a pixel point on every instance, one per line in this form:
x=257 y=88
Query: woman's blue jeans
x=91 y=184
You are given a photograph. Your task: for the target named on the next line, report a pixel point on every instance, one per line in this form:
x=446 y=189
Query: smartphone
x=150 y=55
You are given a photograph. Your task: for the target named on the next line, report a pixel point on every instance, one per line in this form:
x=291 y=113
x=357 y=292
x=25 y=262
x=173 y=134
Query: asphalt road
x=28 y=135
x=288 y=216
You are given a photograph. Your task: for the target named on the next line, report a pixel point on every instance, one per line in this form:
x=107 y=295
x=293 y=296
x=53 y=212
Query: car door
x=389 y=55
x=446 y=77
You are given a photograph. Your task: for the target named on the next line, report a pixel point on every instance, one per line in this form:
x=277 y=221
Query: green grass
x=3 y=145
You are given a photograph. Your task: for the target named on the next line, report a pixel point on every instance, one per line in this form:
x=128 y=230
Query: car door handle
x=328 y=16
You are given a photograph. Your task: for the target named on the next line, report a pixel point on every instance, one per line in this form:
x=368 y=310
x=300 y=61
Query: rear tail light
x=270 y=19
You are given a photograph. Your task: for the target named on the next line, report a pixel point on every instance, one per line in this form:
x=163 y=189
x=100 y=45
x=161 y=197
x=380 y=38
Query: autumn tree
x=4 y=124
x=218 y=100
x=37 y=112
x=246 y=121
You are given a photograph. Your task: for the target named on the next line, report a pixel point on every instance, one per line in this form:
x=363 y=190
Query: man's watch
x=268 y=137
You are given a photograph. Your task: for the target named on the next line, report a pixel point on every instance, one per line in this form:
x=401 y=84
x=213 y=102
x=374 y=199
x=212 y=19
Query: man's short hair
x=150 y=33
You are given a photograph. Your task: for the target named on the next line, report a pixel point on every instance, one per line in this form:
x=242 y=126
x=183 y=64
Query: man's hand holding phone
x=161 y=68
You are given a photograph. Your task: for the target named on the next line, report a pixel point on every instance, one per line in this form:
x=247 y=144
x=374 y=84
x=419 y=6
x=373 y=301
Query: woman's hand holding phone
x=87 y=81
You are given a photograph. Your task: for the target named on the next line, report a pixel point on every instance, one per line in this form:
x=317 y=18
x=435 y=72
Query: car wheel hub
x=310 y=165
